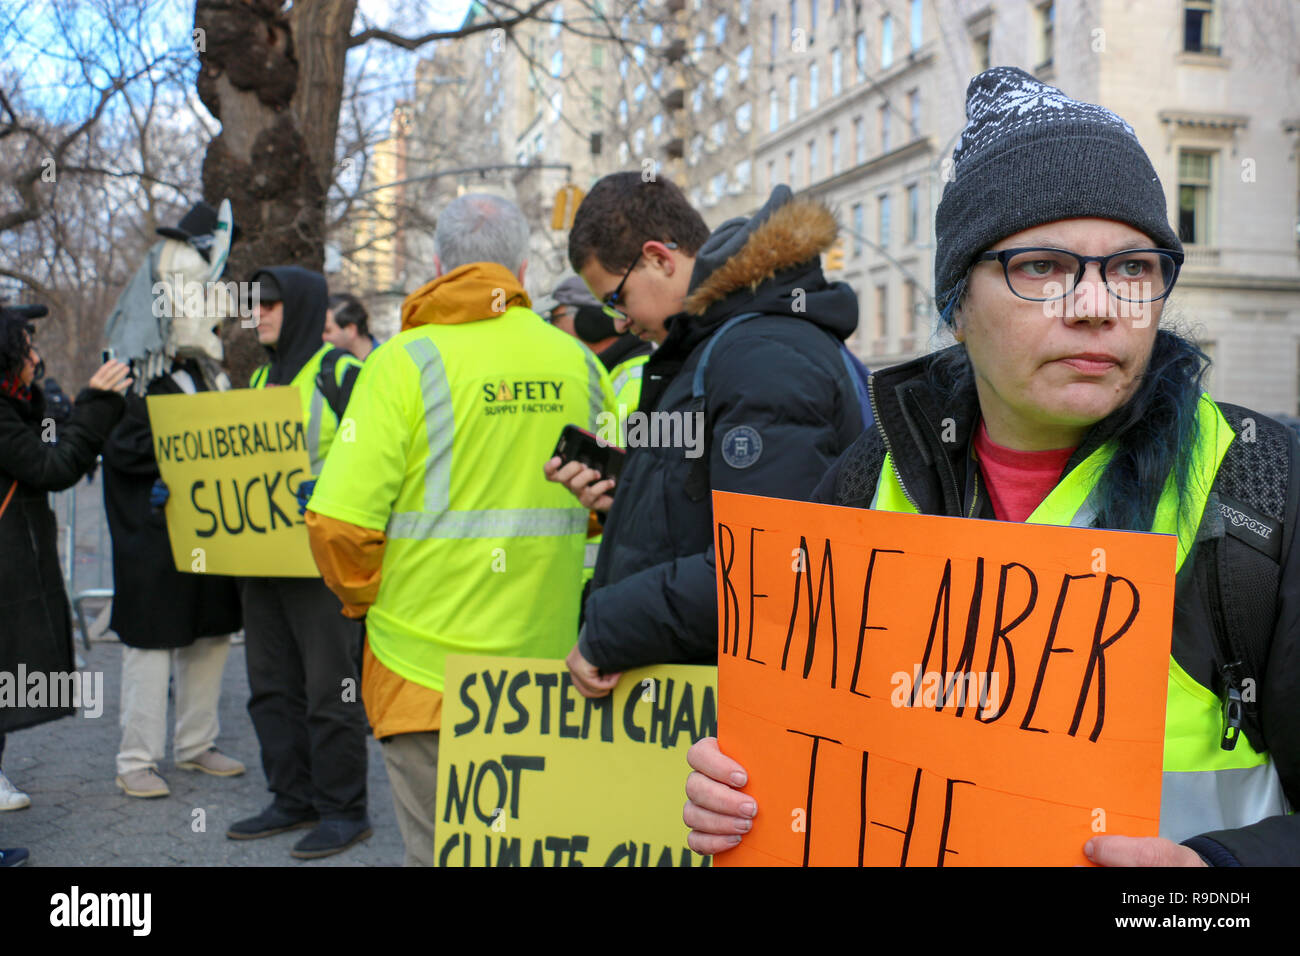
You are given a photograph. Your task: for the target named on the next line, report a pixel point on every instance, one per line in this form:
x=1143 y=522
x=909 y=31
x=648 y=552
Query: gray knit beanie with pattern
x=1030 y=155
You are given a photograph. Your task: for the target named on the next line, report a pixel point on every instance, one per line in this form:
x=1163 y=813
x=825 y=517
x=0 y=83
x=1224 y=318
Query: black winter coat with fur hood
x=780 y=408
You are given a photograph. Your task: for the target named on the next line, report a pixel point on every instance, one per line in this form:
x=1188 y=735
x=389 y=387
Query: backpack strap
x=697 y=480
x=1251 y=493
x=328 y=382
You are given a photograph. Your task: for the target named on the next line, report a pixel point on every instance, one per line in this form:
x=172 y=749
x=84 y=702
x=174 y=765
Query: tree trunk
x=275 y=82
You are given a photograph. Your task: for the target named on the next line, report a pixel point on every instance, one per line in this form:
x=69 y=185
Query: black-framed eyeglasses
x=1042 y=274
x=609 y=304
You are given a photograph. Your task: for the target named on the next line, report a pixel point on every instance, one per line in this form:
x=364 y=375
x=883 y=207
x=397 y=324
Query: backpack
x=336 y=395
x=697 y=482
x=1252 y=499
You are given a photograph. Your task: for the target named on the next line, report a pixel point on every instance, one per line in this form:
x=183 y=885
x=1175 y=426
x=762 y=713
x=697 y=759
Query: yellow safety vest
x=625 y=380
x=453 y=425
x=1204 y=787
x=318 y=419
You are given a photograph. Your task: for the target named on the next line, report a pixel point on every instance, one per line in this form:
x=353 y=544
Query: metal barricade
x=85 y=552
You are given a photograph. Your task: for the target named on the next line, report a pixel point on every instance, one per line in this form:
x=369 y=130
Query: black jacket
x=197 y=605
x=941 y=478
x=35 y=625
x=778 y=382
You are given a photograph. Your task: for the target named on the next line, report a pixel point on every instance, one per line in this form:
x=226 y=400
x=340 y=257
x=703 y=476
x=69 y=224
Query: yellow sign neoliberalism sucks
x=531 y=773
x=232 y=461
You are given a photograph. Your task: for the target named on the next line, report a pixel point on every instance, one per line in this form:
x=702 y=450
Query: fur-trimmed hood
x=744 y=253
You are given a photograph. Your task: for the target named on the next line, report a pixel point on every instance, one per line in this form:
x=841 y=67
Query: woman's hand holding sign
x=719 y=814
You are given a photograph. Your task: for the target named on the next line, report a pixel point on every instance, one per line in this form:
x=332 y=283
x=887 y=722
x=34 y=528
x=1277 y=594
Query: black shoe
x=330 y=837
x=269 y=822
x=15 y=857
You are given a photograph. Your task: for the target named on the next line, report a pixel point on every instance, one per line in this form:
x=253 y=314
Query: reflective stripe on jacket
x=318 y=419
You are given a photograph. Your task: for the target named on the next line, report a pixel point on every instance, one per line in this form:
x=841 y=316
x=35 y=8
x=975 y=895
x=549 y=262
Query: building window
x=1195 y=177
x=622 y=112
x=697 y=99
x=794 y=16
x=772 y=21
x=743 y=174
x=744 y=117
x=860 y=55
x=886 y=42
x=657 y=35
x=884 y=129
x=983 y=45
x=812 y=16
x=657 y=125
x=773 y=111
x=789 y=169
x=882 y=237
x=557 y=21
x=720 y=29
x=597 y=99
x=835 y=152
x=914 y=113
x=658 y=79
x=638 y=142
x=909 y=308
x=720 y=81
x=814 y=82
x=557 y=63
x=882 y=311
x=1198 y=27
x=743 y=60
x=837 y=71
x=917 y=30
x=597 y=55
x=859 y=224
x=794 y=97
x=743 y=16
x=813 y=173
x=859 y=140
x=638 y=94
x=1046 y=24
x=913 y=212
x=718 y=134
x=771 y=174
x=836 y=6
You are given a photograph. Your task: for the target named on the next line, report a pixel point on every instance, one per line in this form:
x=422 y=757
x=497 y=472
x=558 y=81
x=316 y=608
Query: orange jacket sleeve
x=349 y=558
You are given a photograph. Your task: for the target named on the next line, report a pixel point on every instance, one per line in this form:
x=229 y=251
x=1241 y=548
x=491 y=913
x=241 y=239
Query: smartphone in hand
x=577 y=444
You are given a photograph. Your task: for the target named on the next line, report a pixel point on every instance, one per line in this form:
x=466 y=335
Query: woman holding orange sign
x=1065 y=403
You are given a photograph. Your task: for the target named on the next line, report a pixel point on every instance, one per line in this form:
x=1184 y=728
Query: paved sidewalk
x=79 y=817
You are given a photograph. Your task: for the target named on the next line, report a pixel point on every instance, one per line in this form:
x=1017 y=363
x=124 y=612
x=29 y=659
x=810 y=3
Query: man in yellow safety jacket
x=299 y=650
x=576 y=311
x=436 y=525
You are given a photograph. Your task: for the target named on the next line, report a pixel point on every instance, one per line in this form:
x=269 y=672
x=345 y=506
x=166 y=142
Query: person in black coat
x=779 y=403
x=37 y=457
x=187 y=634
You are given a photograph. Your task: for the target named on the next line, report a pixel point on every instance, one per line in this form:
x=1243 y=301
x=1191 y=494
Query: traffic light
x=567 y=201
x=835 y=257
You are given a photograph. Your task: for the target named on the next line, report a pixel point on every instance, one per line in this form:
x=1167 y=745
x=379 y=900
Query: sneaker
x=213 y=761
x=143 y=783
x=269 y=822
x=332 y=836
x=11 y=798
x=14 y=857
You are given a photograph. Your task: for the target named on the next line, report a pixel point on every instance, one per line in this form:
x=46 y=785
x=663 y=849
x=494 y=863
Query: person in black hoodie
x=777 y=402
x=301 y=651
x=35 y=459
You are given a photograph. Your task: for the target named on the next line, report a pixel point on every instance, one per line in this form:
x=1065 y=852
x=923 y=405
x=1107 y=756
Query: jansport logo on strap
x=511 y=396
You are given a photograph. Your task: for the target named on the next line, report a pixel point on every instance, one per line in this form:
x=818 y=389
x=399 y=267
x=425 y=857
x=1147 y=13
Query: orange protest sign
x=908 y=689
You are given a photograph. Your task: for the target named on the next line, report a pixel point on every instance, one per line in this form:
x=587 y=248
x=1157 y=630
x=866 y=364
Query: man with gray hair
x=434 y=525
